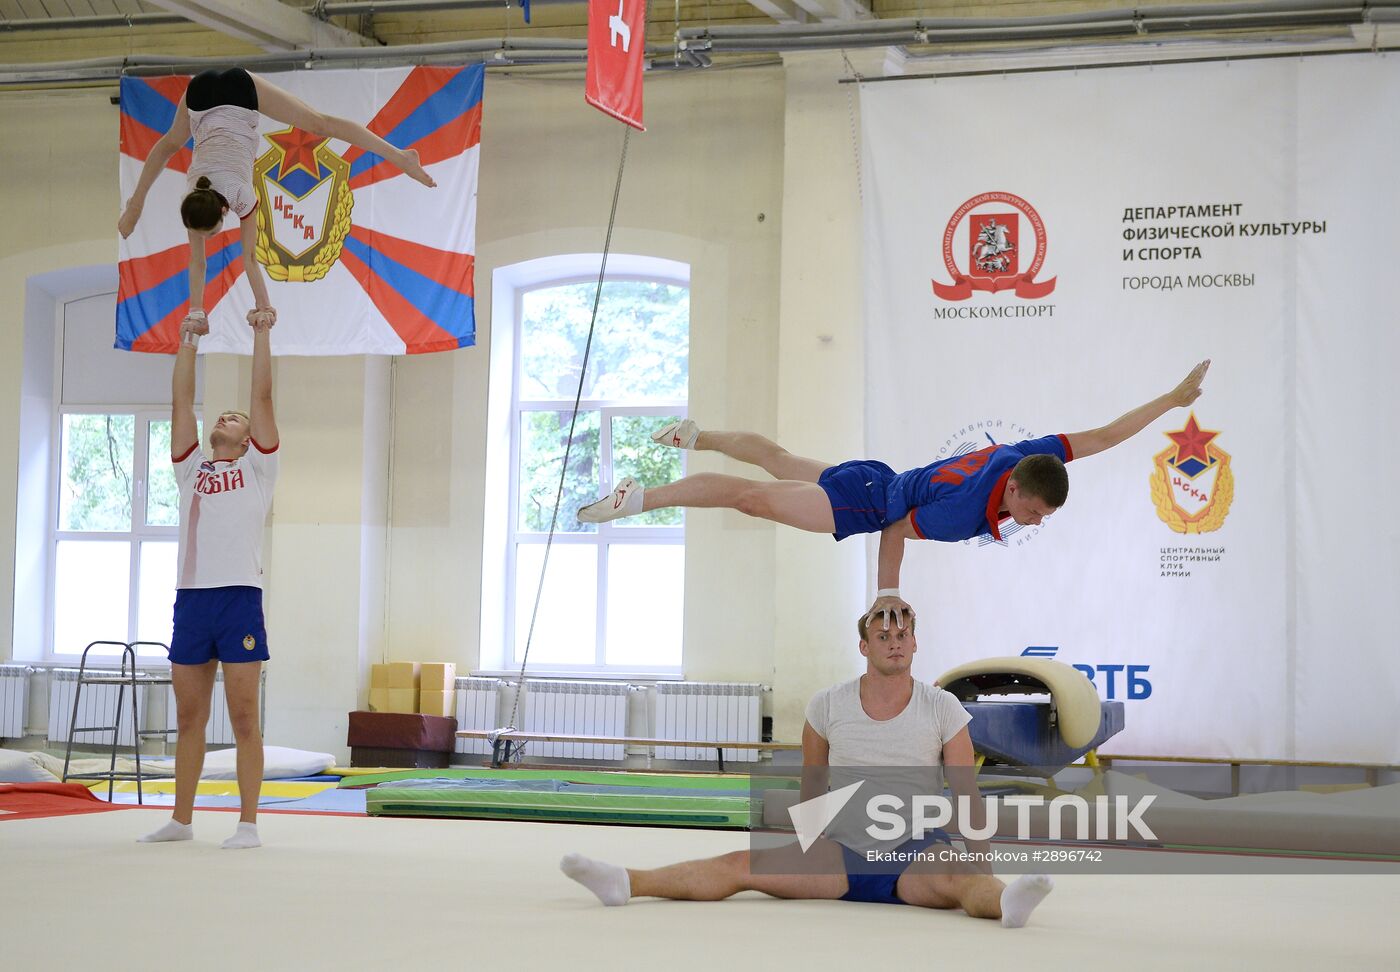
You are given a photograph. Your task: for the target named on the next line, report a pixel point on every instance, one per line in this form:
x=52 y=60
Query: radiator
x=708 y=710
x=219 y=730
x=98 y=708
x=14 y=700
x=576 y=708
x=476 y=709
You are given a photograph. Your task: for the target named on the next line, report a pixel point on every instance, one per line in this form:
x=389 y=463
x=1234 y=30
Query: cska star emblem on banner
x=358 y=259
x=304 y=204
x=987 y=242
x=1192 y=484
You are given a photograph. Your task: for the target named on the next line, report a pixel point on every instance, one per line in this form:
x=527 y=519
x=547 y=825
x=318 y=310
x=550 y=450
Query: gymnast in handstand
x=952 y=499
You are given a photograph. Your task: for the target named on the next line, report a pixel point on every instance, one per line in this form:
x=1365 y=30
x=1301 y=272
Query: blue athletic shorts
x=857 y=493
x=876 y=880
x=218 y=622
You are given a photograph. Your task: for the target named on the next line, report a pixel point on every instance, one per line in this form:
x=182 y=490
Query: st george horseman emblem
x=994 y=244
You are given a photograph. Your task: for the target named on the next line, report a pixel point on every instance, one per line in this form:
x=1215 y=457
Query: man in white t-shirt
x=224 y=501
x=883 y=719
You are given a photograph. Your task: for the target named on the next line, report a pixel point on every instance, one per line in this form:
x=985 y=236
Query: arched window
x=98 y=509
x=613 y=597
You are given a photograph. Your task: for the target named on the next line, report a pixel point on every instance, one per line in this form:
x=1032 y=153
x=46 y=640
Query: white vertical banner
x=1045 y=252
x=1348 y=412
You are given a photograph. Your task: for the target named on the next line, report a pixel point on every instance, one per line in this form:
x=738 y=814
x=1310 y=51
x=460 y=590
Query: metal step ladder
x=124 y=679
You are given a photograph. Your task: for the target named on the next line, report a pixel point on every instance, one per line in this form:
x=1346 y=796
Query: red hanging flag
x=617 y=36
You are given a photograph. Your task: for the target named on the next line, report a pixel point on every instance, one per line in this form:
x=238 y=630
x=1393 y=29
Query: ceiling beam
x=829 y=11
x=782 y=11
x=269 y=24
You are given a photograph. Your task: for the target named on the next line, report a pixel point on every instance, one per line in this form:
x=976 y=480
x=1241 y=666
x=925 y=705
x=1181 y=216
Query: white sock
x=608 y=881
x=1021 y=896
x=245 y=836
x=171 y=831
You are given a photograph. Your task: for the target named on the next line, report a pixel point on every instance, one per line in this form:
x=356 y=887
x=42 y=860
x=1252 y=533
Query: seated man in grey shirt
x=883 y=719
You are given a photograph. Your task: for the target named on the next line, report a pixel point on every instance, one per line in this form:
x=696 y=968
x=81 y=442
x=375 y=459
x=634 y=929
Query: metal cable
x=568 y=446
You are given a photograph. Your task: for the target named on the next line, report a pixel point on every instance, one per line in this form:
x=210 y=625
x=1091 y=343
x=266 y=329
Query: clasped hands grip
x=196 y=323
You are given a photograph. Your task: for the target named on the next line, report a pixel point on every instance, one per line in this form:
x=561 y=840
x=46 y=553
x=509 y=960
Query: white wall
x=821 y=587
x=363 y=564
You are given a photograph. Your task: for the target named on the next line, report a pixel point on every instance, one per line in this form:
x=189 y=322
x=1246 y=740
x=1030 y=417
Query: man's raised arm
x=261 y=418
x=1130 y=424
x=184 y=428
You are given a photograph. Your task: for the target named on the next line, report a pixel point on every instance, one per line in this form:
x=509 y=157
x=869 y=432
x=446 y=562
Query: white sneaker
x=679 y=435
x=624 y=500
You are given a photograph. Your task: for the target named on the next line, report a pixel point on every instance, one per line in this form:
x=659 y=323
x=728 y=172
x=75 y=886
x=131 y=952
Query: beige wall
x=375 y=546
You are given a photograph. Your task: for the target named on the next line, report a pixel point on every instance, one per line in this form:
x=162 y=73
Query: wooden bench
x=1372 y=771
x=502 y=741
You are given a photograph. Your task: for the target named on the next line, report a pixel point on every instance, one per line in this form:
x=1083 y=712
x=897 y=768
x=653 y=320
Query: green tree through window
x=96 y=476
x=641 y=345
x=114 y=545
x=637 y=381
x=162 y=493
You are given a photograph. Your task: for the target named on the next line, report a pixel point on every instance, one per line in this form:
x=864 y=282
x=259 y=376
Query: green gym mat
x=707 y=781
x=566 y=796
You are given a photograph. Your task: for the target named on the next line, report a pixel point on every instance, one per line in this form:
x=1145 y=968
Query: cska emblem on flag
x=304 y=205
x=1192 y=483
x=357 y=257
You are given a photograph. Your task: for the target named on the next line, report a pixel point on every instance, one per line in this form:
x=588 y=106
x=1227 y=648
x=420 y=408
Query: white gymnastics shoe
x=624 y=500
x=678 y=435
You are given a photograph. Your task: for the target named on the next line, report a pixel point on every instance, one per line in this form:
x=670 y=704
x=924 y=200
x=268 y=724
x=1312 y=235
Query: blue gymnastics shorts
x=876 y=881
x=856 y=490
x=224 y=623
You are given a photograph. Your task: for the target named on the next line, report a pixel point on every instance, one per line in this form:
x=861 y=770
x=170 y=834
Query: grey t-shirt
x=226 y=144
x=912 y=740
x=915 y=737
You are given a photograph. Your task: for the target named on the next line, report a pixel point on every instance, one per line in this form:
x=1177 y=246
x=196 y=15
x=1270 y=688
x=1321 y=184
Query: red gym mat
x=21 y=800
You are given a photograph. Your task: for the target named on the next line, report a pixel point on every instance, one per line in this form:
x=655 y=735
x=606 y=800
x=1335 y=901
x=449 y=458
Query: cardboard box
x=379 y=676
x=438 y=677
x=404 y=675
x=402 y=700
x=378 y=699
x=394 y=739
x=437 y=703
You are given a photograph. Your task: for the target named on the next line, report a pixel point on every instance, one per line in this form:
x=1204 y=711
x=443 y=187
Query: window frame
x=137 y=533
x=605 y=535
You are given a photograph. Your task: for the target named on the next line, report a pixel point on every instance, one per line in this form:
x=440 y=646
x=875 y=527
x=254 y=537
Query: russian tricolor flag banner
x=359 y=258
